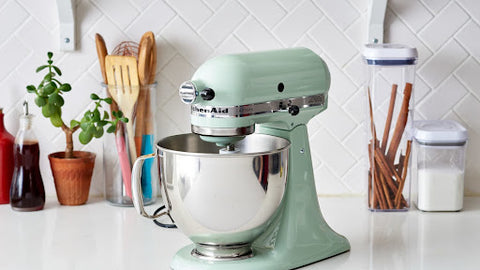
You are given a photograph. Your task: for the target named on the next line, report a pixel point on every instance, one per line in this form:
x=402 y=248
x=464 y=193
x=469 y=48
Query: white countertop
x=100 y=236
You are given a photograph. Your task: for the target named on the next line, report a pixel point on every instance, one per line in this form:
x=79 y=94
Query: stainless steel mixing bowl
x=221 y=201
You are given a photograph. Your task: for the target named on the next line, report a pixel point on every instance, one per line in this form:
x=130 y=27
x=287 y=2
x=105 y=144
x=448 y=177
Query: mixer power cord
x=164 y=225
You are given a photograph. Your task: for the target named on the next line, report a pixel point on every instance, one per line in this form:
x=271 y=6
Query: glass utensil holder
x=122 y=147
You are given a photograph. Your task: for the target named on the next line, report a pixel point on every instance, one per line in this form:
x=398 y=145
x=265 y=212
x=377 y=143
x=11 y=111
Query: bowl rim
x=224 y=155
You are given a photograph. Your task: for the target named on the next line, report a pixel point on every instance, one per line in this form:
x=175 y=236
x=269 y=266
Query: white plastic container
x=440 y=165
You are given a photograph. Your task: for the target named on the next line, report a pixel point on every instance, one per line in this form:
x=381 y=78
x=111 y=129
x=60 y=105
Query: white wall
x=446 y=34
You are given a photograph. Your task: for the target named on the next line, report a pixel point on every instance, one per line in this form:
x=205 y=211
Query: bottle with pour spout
x=27 y=192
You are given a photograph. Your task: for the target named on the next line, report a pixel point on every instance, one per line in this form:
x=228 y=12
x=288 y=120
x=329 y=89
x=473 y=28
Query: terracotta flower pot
x=72 y=176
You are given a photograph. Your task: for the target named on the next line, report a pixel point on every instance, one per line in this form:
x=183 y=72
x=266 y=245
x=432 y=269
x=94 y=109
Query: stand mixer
x=272 y=94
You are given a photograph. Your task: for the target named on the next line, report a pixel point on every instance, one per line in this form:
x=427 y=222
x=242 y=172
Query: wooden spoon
x=102 y=53
x=143 y=76
x=153 y=58
x=147 y=139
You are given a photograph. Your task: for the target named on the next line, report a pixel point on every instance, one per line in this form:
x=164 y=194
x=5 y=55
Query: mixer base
x=262 y=260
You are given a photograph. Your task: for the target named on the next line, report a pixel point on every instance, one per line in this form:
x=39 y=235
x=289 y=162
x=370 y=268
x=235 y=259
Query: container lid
x=389 y=54
x=440 y=132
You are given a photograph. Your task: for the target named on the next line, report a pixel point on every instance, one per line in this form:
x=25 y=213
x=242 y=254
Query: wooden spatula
x=119 y=133
x=122 y=77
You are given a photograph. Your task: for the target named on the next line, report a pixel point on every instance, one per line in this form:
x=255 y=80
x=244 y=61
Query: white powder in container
x=440 y=189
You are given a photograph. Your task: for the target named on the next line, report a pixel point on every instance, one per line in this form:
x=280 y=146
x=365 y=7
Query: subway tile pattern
x=446 y=33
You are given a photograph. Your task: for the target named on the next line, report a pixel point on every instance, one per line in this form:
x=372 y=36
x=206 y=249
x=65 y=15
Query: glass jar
x=389 y=120
x=117 y=155
x=440 y=165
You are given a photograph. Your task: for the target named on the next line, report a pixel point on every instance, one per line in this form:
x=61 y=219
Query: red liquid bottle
x=27 y=192
x=6 y=161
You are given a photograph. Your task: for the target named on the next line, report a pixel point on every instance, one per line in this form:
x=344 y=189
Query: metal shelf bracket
x=376 y=17
x=66 y=16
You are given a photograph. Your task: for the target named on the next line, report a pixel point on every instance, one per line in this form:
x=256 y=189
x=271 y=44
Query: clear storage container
x=440 y=165
x=389 y=120
x=118 y=151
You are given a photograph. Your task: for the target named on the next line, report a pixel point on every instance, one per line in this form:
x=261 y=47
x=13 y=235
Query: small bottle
x=27 y=192
x=6 y=161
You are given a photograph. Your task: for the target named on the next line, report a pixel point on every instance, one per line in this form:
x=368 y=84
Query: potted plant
x=72 y=170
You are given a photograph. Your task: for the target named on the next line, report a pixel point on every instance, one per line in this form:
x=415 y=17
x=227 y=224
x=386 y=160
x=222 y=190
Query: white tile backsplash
x=255 y=36
x=469 y=38
x=340 y=12
x=222 y=23
x=191 y=46
x=468 y=73
x=268 y=12
x=469 y=110
x=333 y=42
x=122 y=13
x=11 y=23
x=443 y=26
x=331 y=151
x=472 y=7
x=435 y=6
x=337 y=121
x=150 y=19
x=443 y=63
x=194 y=12
x=413 y=13
x=448 y=94
x=445 y=33
x=297 y=22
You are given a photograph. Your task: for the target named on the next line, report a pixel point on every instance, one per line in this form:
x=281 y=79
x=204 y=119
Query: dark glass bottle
x=27 y=192
x=6 y=162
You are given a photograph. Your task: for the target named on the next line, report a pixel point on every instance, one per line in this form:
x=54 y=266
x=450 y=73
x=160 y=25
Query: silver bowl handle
x=137 y=193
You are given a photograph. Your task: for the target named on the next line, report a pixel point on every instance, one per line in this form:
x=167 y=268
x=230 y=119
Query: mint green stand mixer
x=269 y=94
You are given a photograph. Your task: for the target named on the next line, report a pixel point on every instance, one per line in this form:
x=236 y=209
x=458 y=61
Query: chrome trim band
x=211 y=131
x=213 y=252
x=280 y=105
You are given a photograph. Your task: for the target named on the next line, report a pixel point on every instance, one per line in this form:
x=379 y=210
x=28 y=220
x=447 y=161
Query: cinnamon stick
x=385 y=189
x=386 y=179
x=386 y=170
x=372 y=123
x=371 y=198
x=400 y=125
x=388 y=122
x=404 y=174
x=400 y=164
x=378 y=190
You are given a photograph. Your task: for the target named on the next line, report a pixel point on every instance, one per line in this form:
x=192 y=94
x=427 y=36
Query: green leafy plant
x=49 y=97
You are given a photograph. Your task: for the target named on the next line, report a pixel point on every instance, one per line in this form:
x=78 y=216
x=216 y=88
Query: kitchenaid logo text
x=217 y=110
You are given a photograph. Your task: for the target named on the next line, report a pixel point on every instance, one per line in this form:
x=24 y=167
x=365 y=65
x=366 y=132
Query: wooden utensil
x=143 y=76
x=102 y=53
x=148 y=145
x=153 y=58
x=119 y=133
x=122 y=77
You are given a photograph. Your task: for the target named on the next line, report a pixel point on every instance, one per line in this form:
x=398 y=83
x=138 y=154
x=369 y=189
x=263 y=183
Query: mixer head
x=230 y=94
